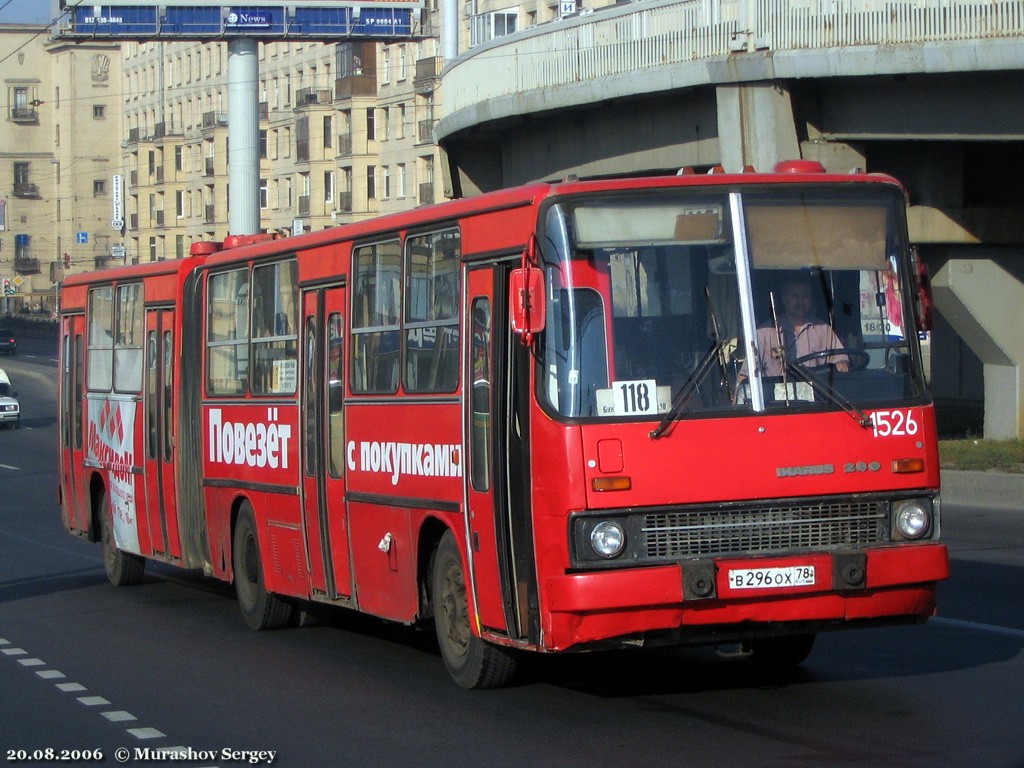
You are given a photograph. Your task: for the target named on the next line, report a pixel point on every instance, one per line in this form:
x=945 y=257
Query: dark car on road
x=8 y=344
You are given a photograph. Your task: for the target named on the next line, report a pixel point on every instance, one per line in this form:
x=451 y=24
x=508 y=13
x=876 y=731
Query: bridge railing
x=625 y=40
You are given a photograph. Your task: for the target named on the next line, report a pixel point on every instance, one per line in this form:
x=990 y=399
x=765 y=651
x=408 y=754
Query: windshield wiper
x=682 y=398
x=830 y=393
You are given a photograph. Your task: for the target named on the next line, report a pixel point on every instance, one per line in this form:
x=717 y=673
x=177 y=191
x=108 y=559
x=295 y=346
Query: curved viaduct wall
x=937 y=101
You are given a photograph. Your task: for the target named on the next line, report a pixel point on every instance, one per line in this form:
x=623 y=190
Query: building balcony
x=425 y=131
x=214 y=119
x=355 y=85
x=306 y=97
x=426 y=193
x=427 y=72
x=24 y=115
x=26 y=265
x=24 y=189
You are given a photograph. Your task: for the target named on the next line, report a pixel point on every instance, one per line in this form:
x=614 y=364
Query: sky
x=26 y=11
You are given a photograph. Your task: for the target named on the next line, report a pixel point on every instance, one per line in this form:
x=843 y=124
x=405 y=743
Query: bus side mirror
x=526 y=302
x=923 y=283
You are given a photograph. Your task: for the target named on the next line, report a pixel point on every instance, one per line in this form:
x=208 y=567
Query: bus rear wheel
x=471 y=661
x=123 y=568
x=261 y=609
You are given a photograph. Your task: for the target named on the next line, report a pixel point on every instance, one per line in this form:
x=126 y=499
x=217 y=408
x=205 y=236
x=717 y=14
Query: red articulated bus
x=620 y=413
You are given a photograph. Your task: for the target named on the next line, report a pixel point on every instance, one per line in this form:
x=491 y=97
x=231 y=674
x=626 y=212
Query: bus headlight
x=608 y=539
x=912 y=519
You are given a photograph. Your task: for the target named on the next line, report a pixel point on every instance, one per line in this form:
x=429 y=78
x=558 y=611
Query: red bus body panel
x=406 y=476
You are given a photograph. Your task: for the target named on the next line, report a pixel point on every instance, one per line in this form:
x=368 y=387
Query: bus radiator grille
x=694 y=533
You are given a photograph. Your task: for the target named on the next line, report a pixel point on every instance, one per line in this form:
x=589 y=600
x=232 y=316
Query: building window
x=371 y=182
x=99 y=187
x=328 y=186
x=488 y=26
x=23 y=187
x=22 y=108
x=264 y=195
x=370 y=127
x=99 y=111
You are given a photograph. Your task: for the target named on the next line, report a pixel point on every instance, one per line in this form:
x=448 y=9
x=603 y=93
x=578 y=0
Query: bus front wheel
x=123 y=568
x=471 y=661
x=261 y=609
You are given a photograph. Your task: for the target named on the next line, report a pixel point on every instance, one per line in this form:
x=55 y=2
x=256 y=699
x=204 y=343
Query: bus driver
x=796 y=336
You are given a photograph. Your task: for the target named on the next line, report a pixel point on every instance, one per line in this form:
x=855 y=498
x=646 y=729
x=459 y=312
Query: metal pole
x=450 y=30
x=243 y=137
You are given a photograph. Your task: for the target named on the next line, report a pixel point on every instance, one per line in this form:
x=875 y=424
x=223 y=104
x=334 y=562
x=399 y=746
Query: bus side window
x=375 y=306
x=480 y=455
x=432 y=312
x=227 y=333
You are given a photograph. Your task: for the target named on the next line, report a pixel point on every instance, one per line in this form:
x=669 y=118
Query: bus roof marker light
x=799 y=166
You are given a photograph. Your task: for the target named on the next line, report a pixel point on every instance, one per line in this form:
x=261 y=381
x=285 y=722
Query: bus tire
x=471 y=661
x=124 y=569
x=261 y=609
x=781 y=652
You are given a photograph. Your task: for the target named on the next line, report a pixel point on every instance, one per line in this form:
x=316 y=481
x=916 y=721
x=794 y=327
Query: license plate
x=771 y=578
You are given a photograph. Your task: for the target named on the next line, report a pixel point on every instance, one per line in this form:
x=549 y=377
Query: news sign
x=197 y=20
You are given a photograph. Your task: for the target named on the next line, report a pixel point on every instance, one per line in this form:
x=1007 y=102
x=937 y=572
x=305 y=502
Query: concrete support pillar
x=755 y=126
x=982 y=301
x=243 y=137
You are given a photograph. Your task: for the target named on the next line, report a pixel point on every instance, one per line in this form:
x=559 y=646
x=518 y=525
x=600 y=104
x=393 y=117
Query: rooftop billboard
x=198 y=20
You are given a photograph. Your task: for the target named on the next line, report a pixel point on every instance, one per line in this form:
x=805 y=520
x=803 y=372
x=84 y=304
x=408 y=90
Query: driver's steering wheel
x=858 y=358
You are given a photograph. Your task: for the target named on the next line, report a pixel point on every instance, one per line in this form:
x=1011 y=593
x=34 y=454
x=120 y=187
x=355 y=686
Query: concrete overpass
x=931 y=92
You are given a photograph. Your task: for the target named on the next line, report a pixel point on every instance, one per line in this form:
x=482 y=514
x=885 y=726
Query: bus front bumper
x=721 y=600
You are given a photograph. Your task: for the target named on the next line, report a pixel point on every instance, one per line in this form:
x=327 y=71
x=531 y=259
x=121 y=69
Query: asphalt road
x=170 y=664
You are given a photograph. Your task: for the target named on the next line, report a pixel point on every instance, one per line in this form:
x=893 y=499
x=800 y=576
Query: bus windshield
x=682 y=303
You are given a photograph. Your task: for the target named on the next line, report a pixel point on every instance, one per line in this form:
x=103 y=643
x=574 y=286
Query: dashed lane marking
x=143 y=733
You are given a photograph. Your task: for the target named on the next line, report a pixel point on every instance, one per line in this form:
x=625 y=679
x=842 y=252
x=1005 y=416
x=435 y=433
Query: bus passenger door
x=323 y=442
x=499 y=532
x=72 y=445
x=158 y=404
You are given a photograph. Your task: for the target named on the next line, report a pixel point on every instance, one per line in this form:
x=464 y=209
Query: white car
x=10 y=411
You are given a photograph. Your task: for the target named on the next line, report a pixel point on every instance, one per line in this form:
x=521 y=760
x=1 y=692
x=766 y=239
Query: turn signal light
x=907 y=466
x=611 y=483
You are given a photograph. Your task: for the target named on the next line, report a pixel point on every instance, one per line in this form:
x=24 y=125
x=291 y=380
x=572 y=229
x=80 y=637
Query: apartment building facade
x=100 y=134
x=344 y=135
